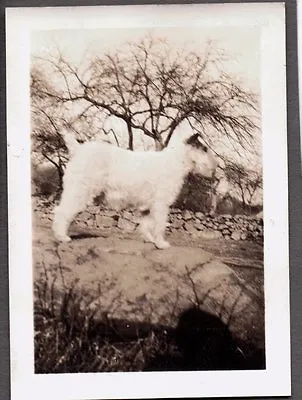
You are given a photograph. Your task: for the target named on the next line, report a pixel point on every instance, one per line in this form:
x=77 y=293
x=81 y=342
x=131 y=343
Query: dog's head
x=201 y=157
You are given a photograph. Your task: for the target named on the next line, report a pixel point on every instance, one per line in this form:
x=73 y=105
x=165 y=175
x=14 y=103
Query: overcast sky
x=241 y=43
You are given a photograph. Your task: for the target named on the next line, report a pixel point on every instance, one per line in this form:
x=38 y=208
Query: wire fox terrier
x=146 y=181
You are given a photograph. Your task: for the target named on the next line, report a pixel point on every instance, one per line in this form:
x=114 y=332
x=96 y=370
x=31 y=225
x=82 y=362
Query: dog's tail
x=70 y=141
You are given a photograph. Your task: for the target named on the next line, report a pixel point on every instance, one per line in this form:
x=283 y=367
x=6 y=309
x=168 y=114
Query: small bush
x=45 y=179
x=196 y=196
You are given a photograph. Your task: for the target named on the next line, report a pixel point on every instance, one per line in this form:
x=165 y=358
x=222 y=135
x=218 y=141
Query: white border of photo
x=275 y=379
x=299 y=27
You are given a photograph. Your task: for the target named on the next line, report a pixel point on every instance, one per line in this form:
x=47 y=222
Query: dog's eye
x=204 y=148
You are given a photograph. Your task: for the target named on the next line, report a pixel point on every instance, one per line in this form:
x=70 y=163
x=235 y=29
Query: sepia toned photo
x=150 y=139
x=149 y=211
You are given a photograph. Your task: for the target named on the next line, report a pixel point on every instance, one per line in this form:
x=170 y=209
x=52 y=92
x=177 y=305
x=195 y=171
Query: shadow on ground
x=74 y=341
x=204 y=342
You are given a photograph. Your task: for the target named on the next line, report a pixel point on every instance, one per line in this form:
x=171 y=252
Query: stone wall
x=238 y=227
x=196 y=224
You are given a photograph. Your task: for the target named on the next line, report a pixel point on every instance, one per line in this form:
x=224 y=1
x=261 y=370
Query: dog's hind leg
x=146 y=227
x=159 y=214
x=73 y=201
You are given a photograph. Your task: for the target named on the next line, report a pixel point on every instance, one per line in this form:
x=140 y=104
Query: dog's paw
x=63 y=239
x=148 y=240
x=162 y=244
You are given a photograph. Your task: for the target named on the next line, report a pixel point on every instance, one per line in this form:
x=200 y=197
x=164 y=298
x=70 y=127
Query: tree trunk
x=158 y=145
x=61 y=174
x=130 y=136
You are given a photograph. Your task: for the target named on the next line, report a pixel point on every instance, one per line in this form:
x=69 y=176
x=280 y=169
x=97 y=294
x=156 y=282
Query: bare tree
x=248 y=183
x=47 y=141
x=49 y=116
x=153 y=88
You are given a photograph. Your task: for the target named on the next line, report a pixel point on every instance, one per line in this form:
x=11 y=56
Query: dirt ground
x=244 y=257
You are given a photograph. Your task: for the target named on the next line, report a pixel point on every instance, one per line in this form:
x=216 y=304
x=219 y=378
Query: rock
x=236 y=235
x=110 y=213
x=140 y=283
x=103 y=221
x=128 y=215
x=199 y=226
x=243 y=236
x=92 y=211
x=190 y=228
x=187 y=215
x=199 y=215
x=84 y=216
x=177 y=223
x=126 y=225
x=90 y=222
x=250 y=227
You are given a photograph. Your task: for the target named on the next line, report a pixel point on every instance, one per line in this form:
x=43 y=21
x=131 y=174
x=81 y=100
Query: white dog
x=147 y=181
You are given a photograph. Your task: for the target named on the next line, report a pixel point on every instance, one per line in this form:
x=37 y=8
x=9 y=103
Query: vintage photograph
x=147 y=201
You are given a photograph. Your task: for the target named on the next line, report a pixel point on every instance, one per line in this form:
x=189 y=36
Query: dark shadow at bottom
x=199 y=342
x=204 y=342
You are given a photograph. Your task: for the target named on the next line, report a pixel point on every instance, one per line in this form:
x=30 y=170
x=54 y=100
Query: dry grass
x=71 y=336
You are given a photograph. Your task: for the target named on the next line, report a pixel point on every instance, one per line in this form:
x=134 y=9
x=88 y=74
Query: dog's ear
x=195 y=141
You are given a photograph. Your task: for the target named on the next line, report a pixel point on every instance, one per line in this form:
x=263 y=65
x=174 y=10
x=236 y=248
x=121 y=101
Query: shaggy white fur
x=146 y=181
